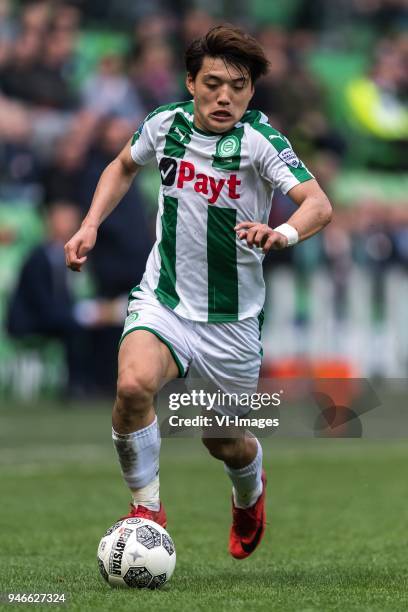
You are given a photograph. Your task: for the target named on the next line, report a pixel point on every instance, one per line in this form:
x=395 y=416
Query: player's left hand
x=261 y=235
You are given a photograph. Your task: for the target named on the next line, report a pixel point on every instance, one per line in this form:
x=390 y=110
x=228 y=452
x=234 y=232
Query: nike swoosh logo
x=248 y=548
x=164 y=174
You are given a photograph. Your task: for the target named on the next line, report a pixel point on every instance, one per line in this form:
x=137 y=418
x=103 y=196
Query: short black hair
x=231 y=44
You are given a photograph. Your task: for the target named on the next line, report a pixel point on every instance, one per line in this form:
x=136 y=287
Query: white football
x=136 y=553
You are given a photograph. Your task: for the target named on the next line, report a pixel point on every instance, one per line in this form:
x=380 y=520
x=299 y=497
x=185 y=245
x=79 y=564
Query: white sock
x=148 y=496
x=247 y=482
x=138 y=454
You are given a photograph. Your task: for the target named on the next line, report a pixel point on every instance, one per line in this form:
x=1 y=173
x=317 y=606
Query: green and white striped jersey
x=210 y=182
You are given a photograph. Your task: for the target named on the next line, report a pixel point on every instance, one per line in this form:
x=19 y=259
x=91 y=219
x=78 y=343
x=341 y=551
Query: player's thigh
x=145 y=360
x=229 y=360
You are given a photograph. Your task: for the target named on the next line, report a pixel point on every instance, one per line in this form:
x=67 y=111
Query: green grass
x=337 y=514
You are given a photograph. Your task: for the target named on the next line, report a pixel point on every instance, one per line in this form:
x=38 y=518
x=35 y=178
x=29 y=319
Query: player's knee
x=135 y=393
x=221 y=448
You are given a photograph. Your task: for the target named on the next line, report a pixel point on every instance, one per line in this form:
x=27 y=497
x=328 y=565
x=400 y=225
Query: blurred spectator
x=156 y=28
x=383 y=15
x=61 y=179
x=378 y=101
x=339 y=22
x=35 y=16
x=154 y=75
x=118 y=259
x=110 y=91
x=271 y=91
x=19 y=166
x=35 y=71
x=8 y=31
x=196 y=23
x=66 y=17
x=18 y=75
x=119 y=256
x=292 y=97
x=43 y=302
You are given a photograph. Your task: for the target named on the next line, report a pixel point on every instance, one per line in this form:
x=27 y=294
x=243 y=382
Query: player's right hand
x=78 y=247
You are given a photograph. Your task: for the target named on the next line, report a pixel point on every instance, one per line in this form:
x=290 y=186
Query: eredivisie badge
x=289 y=157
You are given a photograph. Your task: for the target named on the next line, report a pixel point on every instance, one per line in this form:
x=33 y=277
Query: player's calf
x=136 y=437
x=133 y=408
x=235 y=452
x=144 y=362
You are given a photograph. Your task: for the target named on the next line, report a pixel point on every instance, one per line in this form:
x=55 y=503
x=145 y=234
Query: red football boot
x=248 y=526
x=158 y=516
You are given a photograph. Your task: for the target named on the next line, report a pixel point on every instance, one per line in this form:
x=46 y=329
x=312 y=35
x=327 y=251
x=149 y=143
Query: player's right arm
x=113 y=184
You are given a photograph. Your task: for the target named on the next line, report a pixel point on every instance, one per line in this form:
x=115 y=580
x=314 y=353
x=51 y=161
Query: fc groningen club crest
x=228 y=146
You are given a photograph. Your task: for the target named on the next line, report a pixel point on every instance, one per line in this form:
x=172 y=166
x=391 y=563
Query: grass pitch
x=337 y=514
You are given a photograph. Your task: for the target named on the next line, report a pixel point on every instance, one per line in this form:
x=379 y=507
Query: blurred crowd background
x=77 y=78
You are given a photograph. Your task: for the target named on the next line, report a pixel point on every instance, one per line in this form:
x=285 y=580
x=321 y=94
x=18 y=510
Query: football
x=136 y=553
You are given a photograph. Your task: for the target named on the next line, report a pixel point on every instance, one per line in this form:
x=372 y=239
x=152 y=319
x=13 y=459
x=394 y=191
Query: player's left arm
x=313 y=214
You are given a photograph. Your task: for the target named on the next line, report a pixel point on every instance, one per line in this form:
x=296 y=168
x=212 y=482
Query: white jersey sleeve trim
x=144 y=143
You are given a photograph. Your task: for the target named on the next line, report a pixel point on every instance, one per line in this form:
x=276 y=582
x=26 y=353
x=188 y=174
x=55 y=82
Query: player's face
x=221 y=95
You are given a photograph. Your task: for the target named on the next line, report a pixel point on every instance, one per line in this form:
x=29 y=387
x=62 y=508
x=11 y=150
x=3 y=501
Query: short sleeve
x=143 y=144
x=275 y=159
